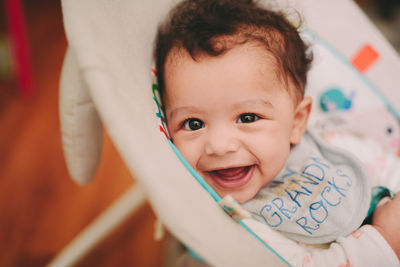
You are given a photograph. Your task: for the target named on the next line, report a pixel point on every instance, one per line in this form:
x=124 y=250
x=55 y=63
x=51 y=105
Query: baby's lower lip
x=232 y=178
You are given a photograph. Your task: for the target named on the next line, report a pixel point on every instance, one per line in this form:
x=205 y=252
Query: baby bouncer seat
x=107 y=81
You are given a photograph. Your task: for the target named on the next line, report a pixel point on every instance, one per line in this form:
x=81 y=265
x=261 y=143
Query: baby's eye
x=193 y=124
x=247 y=118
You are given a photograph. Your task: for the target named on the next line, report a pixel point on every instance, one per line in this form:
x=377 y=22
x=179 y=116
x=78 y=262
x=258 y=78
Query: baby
x=231 y=76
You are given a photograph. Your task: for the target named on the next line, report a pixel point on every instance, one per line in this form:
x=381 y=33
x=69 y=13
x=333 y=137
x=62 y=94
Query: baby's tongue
x=230 y=173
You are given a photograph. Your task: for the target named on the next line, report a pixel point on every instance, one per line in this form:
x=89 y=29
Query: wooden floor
x=41 y=209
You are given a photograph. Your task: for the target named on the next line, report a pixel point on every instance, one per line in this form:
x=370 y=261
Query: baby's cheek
x=274 y=156
x=187 y=150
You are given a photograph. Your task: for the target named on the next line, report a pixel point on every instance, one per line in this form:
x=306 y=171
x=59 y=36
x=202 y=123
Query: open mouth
x=232 y=178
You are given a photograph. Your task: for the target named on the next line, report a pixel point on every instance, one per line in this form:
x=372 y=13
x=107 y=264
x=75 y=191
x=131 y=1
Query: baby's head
x=232 y=75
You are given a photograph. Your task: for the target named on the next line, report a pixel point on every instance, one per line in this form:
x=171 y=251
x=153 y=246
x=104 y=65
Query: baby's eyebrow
x=253 y=102
x=182 y=110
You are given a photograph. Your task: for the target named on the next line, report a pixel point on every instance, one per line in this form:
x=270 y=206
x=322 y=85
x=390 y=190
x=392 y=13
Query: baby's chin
x=239 y=196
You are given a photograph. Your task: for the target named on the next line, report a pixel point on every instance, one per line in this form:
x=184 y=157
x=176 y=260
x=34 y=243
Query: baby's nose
x=220 y=142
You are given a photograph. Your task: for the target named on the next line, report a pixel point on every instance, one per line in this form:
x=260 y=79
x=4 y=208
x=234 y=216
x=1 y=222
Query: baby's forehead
x=178 y=55
x=266 y=65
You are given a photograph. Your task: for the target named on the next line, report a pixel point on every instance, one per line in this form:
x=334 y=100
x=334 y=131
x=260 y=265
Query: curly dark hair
x=214 y=27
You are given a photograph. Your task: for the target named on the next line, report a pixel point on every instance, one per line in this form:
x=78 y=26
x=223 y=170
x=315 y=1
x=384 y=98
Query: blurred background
x=41 y=208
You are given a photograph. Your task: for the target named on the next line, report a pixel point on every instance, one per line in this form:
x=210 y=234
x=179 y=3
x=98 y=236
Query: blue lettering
x=297 y=193
x=305 y=188
x=313 y=173
x=328 y=189
x=309 y=180
x=318 y=160
x=338 y=189
x=315 y=210
x=302 y=221
x=267 y=208
x=278 y=203
x=342 y=174
x=294 y=198
x=289 y=173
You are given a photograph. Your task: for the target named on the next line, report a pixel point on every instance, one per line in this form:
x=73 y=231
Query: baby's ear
x=300 y=122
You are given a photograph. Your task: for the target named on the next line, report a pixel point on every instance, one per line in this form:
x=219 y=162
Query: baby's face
x=231 y=117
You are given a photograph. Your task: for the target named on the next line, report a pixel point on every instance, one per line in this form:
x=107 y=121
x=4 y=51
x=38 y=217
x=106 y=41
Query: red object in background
x=365 y=58
x=19 y=46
